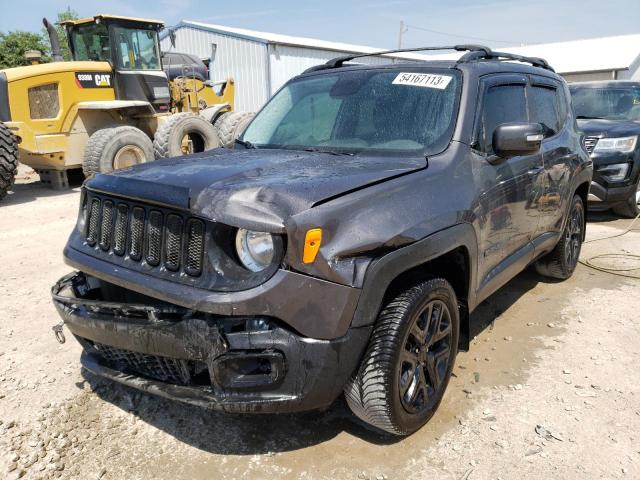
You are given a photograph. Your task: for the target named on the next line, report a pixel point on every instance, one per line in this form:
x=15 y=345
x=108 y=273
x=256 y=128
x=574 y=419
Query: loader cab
x=131 y=47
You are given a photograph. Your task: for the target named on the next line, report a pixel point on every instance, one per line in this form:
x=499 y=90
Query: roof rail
x=477 y=55
x=339 y=61
x=474 y=53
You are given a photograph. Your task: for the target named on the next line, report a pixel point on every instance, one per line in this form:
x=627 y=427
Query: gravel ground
x=549 y=389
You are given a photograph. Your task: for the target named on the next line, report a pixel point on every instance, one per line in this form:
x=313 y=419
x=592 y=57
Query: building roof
x=278 y=39
x=107 y=16
x=590 y=55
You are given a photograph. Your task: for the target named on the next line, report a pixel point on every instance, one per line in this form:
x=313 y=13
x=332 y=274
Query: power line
x=406 y=27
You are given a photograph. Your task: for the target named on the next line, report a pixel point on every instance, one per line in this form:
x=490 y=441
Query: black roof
x=478 y=68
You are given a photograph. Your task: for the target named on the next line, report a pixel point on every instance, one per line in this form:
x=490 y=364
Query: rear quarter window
x=543 y=107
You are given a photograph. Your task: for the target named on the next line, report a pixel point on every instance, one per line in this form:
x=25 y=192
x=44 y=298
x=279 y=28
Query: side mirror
x=513 y=139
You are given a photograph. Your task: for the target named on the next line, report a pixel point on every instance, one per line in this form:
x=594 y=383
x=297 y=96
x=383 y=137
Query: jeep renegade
x=340 y=247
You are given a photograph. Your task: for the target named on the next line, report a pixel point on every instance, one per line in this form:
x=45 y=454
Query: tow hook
x=57 y=331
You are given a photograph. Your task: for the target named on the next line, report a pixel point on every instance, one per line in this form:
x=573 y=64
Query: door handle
x=535 y=170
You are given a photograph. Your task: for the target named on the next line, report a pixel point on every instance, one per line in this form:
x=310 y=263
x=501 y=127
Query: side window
x=543 y=107
x=502 y=104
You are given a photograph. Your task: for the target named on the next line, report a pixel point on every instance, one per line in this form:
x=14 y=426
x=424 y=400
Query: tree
x=13 y=46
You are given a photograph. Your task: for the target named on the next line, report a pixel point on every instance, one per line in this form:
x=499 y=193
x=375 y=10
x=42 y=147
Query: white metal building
x=606 y=58
x=259 y=62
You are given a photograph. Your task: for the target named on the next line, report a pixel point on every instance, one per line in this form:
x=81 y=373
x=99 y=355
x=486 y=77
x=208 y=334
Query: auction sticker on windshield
x=428 y=80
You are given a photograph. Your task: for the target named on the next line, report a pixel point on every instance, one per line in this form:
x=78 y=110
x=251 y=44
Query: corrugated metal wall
x=257 y=74
x=243 y=60
x=589 y=76
x=288 y=61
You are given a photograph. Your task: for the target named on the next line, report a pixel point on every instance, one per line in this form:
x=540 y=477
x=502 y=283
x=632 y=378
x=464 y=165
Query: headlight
x=614 y=172
x=255 y=249
x=620 y=144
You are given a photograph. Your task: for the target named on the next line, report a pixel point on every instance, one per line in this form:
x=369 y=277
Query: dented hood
x=257 y=189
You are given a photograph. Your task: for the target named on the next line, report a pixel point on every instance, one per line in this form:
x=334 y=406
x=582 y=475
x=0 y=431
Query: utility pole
x=402 y=30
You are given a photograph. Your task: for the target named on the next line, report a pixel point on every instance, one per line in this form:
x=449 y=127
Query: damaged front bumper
x=229 y=363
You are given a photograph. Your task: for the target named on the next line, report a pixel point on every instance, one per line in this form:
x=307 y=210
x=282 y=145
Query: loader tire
x=183 y=134
x=231 y=125
x=8 y=160
x=113 y=148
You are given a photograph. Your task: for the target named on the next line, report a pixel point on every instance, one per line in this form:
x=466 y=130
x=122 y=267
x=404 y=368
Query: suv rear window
x=502 y=104
x=543 y=107
x=361 y=110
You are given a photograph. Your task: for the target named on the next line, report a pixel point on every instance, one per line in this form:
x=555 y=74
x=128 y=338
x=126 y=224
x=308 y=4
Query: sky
x=374 y=23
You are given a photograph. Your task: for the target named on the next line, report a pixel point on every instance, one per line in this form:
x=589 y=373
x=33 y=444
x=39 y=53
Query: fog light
x=257 y=325
x=615 y=172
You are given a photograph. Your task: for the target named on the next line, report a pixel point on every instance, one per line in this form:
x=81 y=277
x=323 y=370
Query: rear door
x=548 y=105
x=508 y=209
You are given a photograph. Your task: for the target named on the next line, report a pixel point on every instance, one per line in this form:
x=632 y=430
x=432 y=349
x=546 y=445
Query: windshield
x=361 y=110
x=90 y=42
x=136 y=49
x=617 y=103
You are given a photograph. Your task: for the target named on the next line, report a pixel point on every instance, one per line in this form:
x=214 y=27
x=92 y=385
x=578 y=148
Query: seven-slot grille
x=146 y=234
x=590 y=143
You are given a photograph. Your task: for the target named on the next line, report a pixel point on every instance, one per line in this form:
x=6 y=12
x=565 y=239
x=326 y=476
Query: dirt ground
x=549 y=389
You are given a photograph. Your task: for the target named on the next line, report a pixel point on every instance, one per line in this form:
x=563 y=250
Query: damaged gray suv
x=340 y=247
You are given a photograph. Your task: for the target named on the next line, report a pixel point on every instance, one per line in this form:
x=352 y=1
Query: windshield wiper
x=330 y=152
x=245 y=143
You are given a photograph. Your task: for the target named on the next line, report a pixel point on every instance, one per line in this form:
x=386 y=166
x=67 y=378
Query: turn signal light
x=312 y=241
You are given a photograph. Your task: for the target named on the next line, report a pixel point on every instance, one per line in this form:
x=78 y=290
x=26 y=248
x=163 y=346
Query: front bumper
x=603 y=198
x=212 y=361
x=314 y=307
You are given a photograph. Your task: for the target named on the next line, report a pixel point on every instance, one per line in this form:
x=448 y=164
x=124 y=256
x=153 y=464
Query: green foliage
x=13 y=45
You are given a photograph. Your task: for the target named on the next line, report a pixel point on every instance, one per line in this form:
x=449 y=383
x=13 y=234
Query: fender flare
x=384 y=270
x=211 y=113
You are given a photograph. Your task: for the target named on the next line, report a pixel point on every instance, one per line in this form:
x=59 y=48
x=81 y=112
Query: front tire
x=406 y=368
x=231 y=125
x=8 y=160
x=631 y=208
x=183 y=134
x=113 y=148
x=561 y=262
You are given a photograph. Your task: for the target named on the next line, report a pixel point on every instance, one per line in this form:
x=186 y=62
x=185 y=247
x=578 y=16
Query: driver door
x=508 y=204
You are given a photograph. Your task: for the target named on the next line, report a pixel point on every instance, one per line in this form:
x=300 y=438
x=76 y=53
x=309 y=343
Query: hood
x=599 y=127
x=257 y=189
x=30 y=71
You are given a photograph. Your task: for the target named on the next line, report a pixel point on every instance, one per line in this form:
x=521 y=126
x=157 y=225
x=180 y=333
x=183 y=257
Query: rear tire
x=8 y=160
x=406 y=368
x=169 y=138
x=631 y=208
x=561 y=262
x=113 y=148
x=231 y=125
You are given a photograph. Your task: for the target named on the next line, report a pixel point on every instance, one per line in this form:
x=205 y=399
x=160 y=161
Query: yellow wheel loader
x=111 y=107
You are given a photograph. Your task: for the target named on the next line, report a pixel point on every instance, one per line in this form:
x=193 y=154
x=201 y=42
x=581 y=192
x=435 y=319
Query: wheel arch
x=583 y=191
x=450 y=254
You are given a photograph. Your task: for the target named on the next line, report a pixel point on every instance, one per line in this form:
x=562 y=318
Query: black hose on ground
x=613 y=270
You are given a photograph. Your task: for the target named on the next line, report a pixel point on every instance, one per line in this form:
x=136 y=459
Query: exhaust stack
x=56 y=53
